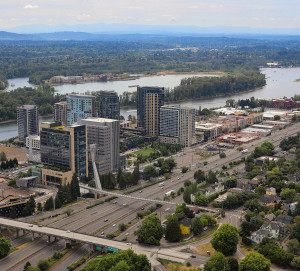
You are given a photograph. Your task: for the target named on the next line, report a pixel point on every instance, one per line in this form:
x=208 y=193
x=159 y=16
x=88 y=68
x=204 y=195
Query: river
x=280 y=82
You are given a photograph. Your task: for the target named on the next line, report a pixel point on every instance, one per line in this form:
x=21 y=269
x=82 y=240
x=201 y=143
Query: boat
x=12 y=84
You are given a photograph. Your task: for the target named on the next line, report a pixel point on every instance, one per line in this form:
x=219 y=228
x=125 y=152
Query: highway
x=92 y=220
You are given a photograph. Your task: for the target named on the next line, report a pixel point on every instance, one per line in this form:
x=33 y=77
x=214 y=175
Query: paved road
x=91 y=220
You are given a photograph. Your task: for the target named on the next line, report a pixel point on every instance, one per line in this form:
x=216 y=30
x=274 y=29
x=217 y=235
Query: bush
x=122 y=227
x=43 y=265
x=246 y=241
x=188 y=264
x=222 y=155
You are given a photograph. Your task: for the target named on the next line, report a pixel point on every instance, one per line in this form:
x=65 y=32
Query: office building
x=28 y=122
x=63 y=149
x=105 y=133
x=60 y=112
x=149 y=101
x=211 y=130
x=108 y=105
x=177 y=125
x=79 y=107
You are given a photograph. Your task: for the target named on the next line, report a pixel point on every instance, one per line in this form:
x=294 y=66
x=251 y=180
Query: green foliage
x=3 y=156
x=199 y=176
x=29 y=207
x=211 y=177
x=295 y=263
x=290 y=142
x=10 y=164
x=4 y=247
x=271 y=250
x=201 y=200
x=197 y=225
x=255 y=262
x=230 y=183
x=121 y=261
x=289 y=195
x=27 y=264
x=293 y=245
x=188 y=191
x=122 y=227
x=295 y=233
x=233 y=264
x=43 y=264
x=108 y=181
x=184 y=169
x=217 y=262
x=74 y=188
x=49 y=204
x=253 y=205
x=150 y=231
x=276 y=117
x=150 y=171
x=222 y=155
x=225 y=240
x=260 y=190
x=173 y=231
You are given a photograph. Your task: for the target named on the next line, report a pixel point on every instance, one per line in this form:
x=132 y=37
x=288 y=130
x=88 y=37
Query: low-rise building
x=255 y=118
x=259 y=235
x=33 y=148
x=210 y=130
x=271 y=191
x=286 y=219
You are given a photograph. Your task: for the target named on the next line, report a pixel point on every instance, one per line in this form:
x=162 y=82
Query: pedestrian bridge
x=162 y=202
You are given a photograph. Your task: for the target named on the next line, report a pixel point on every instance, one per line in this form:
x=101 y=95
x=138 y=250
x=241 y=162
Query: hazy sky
x=250 y=13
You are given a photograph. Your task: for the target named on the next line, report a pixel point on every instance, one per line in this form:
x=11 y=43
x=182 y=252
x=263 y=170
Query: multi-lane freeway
x=118 y=211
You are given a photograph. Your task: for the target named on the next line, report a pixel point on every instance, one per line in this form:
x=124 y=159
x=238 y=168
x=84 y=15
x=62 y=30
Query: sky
x=242 y=13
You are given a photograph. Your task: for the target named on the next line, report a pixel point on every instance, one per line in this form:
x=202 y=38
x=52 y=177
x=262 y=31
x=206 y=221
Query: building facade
x=64 y=148
x=79 y=107
x=33 y=146
x=149 y=101
x=108 y=105
x=210 y=130
x=177 y=125
x=60 y=112
x=105 y=133
x=28 y=122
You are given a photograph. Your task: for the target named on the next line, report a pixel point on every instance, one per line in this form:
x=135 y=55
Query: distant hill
x=13 y=36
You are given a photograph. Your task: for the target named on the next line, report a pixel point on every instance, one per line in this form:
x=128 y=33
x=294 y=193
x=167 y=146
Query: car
x=114 y=225
x=182 y=175
x=192 y=256
x=40 y=225
x=102 y=233
x=124 y=204
x=140 y=191
x=68 y=231
x=114 y=202
x=178 y=178
x=142 y=208
x=129 y=244
x=30 y=225
x=105 y=220
x=127 y=234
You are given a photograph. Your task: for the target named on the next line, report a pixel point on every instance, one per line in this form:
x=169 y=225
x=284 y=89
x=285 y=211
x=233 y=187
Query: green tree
x=233 y=264
x=3 y=156
x=197 y=225
x=293 y=245
x=295 y=233
x=74 y=187
x=255 y=262
x=136 y=174
x=211 y=177
x=173 y=231
x=122 y=227
x=225 y=240
x=260 y=190
x=4 y=247
x=276 y=117
x=150 y=231
x=43 y=264
x=201 y=200
x=222 y=155
x=295 y=263
x=199 y=176
x=33 y=268
x=288 y=195
x=230 y=182
x=29 y=207
x=150 y=171
x=184 y=169
x=27 y=264
x=49 y=204
x=217 y=262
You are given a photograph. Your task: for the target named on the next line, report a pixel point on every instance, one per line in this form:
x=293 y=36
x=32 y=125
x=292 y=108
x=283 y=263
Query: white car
x=127 y=234
x=68 y=231
x=114 y=225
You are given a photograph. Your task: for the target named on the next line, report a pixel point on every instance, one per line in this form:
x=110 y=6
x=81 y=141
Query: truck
x=244 y=151
x=168 y=194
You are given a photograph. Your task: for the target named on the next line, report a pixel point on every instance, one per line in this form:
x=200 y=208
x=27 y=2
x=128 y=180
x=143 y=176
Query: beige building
x=255 y=118
x=60 y=112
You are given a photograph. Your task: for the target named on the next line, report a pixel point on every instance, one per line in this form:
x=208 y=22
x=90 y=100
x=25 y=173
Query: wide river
x=280 y=82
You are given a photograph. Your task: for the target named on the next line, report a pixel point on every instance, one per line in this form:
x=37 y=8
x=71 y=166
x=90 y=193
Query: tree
x=217 y=262
x=211 y=178
x=4 y=247
x=184 y=169
x=295 y=233
x=187 y=183
x=288 y=195
x=136 y=174
x=49 y=204
x=225 y=240
x=233 y=264
x=197 y=225
x=68 y=212
x=173 y=231
x=33 y=268
x=3 y=156
x=150 y=171
x=260 y=190
x=122 y=227
x=150 y=231
x=295 y=263
x=43 y=264
x=293 y=246
x=230 y=182
x=27 y=264
x=276 y=117
x=74 y=187
x=29 y=207
x=199 y=176
x=12 y=213
x=201 y=200
x=222 y=155
x=255 y=262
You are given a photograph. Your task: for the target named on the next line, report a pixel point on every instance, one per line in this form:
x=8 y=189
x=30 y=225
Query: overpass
x=162 y=202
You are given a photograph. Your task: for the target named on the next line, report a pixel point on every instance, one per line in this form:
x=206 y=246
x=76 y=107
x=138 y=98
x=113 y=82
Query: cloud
x=30 y=6
x=83 y=16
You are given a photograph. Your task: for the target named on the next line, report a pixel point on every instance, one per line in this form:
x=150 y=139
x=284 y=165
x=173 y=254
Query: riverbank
x=12 y=121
